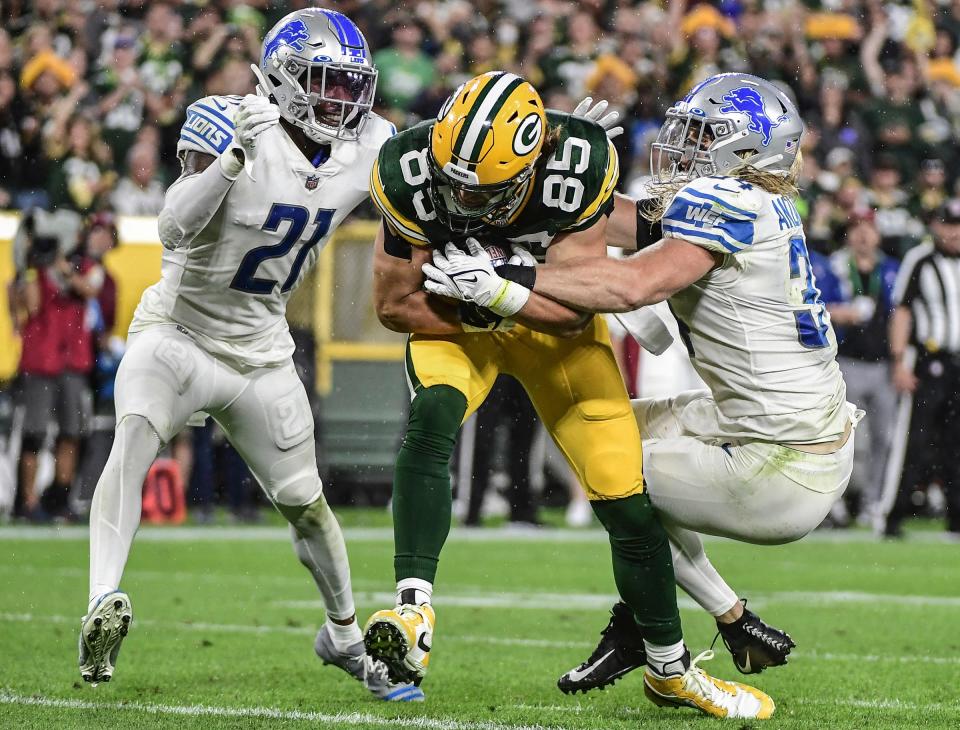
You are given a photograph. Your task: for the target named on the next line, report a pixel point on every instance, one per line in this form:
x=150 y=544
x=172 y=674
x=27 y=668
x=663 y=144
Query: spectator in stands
x=859 y=297
x=121 y=96
x=11 y=148
x=405 y=70
x=82 y=176
x=886 y=194
x=140 y=191
x=930 y=189
x=570 y=63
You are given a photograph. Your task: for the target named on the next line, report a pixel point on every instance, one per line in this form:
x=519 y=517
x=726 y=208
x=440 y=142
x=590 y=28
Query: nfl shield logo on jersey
x=312 y=182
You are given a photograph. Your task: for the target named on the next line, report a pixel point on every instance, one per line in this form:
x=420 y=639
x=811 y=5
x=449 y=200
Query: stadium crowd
x=93 y=92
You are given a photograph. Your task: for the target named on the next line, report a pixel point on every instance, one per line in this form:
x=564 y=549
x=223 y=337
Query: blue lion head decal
x=747 y=100
x=292 y=34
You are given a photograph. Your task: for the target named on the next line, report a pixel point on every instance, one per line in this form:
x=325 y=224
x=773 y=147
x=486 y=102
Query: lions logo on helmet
x=483 y=148
x=316 y=65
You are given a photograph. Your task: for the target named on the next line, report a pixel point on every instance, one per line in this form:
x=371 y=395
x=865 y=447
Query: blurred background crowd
x=93 y=92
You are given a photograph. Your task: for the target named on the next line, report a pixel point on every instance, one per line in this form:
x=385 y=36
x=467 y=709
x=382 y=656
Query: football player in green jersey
x=497 y=168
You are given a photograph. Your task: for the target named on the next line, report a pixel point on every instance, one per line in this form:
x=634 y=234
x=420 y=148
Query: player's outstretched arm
x=401 y=303
x=194 y=198
x=609 y=285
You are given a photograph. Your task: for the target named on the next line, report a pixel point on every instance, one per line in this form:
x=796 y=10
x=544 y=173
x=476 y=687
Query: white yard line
x=339 y=719
x=464 y=638
x=591 y=601
x=206 y=533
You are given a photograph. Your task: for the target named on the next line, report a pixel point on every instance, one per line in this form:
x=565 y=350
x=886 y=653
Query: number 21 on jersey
x=297 y=217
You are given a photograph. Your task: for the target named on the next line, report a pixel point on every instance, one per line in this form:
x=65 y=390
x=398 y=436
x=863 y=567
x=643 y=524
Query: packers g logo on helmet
x=528 y=134
x=483 y=147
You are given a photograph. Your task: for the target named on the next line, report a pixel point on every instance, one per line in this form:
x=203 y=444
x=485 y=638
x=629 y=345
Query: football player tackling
x=763 y=455
x=211 y=336
x=496 y=166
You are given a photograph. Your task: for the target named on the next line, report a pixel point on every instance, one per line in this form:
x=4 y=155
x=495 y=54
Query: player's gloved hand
x=255 y=115
x=471 y=277
x=595 y=114
x=521 y=256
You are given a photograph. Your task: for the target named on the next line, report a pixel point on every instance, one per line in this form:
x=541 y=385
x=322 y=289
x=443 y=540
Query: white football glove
x=521 y=256
x=472 y=278
x=583 y=109
x=255 y=115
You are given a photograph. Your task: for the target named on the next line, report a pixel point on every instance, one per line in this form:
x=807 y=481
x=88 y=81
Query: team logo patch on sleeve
x=202 y=128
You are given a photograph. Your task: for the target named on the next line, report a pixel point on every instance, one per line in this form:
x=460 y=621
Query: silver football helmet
x=316 y=65
x=727 y=121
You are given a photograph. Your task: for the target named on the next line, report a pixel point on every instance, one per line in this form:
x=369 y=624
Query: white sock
x=318 y=542
x=344 y=636
x=414 y=591
x=663 y=660
x=117 y=501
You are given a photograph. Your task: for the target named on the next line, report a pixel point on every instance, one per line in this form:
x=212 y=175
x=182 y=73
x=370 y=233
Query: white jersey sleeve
x=209 y=125
x=719 y=214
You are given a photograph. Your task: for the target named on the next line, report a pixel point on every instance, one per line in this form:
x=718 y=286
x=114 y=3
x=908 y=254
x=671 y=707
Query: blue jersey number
x=811 y=328
x=297 y=216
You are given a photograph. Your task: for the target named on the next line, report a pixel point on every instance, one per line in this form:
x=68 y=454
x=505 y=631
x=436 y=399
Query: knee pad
x=435 y=417
x=293 y=482
x=31 y=443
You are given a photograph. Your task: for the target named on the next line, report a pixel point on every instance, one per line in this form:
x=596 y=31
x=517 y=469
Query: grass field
x=224 y=623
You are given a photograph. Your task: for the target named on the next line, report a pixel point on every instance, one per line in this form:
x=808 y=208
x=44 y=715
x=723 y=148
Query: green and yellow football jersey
x=572 y=187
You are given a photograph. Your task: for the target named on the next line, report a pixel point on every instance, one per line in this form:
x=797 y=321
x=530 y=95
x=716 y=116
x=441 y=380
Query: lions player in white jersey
x=266 y=180
x=766 y=451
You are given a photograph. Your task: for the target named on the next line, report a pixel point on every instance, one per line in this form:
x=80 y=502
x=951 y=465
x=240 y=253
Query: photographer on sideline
x=50 y=298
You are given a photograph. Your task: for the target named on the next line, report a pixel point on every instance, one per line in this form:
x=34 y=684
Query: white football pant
x=164 y=378
x=702 y=482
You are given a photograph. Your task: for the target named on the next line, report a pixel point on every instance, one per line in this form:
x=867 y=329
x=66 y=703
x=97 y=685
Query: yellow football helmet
x=483 y=148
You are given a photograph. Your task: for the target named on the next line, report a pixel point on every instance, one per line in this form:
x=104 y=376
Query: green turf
x=861 y=662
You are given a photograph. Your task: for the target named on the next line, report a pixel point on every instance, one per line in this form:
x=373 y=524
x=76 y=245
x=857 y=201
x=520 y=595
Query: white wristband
x=230 y=165
x=508 y=299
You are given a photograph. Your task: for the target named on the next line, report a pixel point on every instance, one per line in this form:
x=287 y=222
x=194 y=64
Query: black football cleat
x=755 y=645
x=619 y=652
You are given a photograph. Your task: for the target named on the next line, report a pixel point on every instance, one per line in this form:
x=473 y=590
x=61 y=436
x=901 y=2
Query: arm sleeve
x=192 y=201
x=709 y=215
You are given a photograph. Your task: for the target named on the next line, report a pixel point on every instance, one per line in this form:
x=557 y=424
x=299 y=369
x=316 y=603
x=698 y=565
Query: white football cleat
x=101 y=632
x=362 y=667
